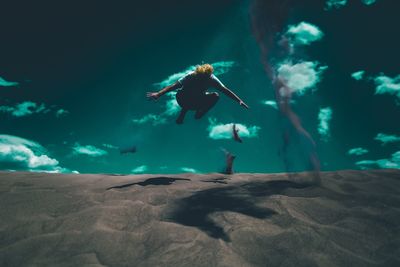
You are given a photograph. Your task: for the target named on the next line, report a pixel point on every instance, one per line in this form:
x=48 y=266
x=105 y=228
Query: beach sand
x=351 y=219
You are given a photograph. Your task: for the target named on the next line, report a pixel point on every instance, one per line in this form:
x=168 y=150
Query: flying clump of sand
x=350 y=219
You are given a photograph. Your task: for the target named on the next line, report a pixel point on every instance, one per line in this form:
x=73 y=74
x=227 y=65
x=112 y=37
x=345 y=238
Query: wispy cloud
x=223 y=67
x=304 y=33
x=28 y=108
x=358 y=151
x=300 y=77
x=224 y=131
x=24 y=109
x=368 y=2
x=391 y=163
x=271 y=103
x=324 y=117
x=186 y=169
x=6 y=83
x=220 y=67
x=17 y=153
x=387 y=138
x=61 y=113
x=358 y=75
x=330 y=4
x=151 y=118
x=110 y=146
x=88 y=150
x=174 y=77
x=171 y=106
x=387 y=85
x=140 y=169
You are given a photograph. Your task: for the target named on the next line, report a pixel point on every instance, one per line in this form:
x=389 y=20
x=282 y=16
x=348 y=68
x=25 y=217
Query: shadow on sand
x=216 y=181
x=151 y=181
x=195 y=210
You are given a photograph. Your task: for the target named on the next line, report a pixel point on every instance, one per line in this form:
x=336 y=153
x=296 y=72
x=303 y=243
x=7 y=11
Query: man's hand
x=153 y=95
x=243 y=104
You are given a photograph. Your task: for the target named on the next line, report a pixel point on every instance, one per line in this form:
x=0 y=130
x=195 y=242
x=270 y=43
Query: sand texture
x=351 y=219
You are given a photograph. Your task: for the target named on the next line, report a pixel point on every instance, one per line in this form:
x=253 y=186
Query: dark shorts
x=195 y=101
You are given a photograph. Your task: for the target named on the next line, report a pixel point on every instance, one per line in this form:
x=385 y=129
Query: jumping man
x=193 y=94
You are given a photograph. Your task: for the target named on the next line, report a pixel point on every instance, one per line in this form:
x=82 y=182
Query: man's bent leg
x=181 y=116
x=210 y=100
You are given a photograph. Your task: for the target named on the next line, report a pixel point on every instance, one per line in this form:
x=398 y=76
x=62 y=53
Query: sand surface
x=351 y=219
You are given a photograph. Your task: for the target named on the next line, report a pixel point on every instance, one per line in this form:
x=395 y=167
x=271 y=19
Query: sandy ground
x=351 y=219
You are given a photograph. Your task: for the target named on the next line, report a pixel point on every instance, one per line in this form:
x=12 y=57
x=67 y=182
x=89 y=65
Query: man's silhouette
x=193 y=94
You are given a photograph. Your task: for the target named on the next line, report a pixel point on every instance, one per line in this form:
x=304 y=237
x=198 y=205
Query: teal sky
x=73 y=79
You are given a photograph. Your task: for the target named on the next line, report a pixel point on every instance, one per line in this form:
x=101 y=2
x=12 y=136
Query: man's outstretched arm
x=231 y=94
x=156 y=95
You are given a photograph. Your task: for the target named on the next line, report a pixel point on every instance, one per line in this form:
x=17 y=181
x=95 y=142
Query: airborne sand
x=351 y=219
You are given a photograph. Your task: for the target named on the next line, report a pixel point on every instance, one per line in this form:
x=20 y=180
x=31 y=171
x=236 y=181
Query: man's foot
x=181 y=116
x=199 y=114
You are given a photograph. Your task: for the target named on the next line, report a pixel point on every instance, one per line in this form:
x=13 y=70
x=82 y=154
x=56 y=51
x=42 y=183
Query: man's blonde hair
x=204 y=69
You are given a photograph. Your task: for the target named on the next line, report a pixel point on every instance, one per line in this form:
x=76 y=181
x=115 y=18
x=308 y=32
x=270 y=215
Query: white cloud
x=174 y=77
x=153 y=118
x=28 y=108
x=223 y=67
x=366 y=162
x=388 y=164
x=186 y=169
x=368 y=2
x=110 y=146
x=24 y=109
x=358 y=151
x=358 y=75
x=392 y=163
x=140 y=169
x=21 y=154
x=300 y=77
x=396 y=156
x=220 y=67
x=6 y=83
x=271 y=103
x=304 y=33
x=171 y=106
x=88 y=150
x=386 y=85
x=387 y=138
x=335 y=4
x=324 y=117
x=61 y=113
x=224 y=131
